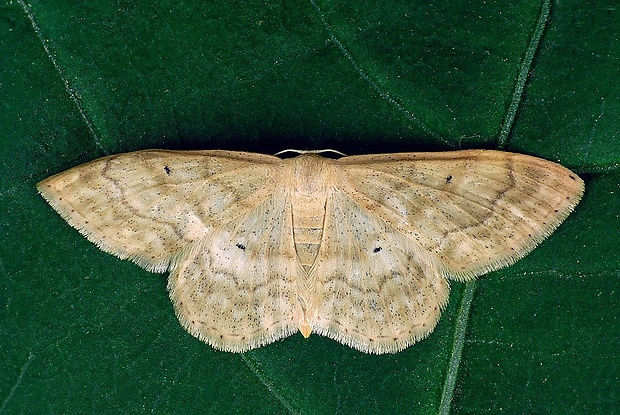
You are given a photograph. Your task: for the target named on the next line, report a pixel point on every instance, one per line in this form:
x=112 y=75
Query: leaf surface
x=83 y=332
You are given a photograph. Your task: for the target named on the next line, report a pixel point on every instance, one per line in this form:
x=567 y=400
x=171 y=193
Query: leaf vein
x=376 y=87
x=457 y=348
x=73 y=94
x=524 y=71
x=16 y=384
x=270 y=387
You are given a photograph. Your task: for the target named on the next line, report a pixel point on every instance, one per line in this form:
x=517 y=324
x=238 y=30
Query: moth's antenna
x=310 y=151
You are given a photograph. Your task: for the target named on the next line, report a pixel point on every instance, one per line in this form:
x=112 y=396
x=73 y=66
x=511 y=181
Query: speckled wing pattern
x=376 y=291
x=474 y=211
x=237 y=288
x=150 y=205
x=359 y=249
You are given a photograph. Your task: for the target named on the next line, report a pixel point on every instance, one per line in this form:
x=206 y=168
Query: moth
x=360 y=249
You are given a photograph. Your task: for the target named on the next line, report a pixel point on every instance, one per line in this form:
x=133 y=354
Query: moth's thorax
x=311 y=178
x=311 y=174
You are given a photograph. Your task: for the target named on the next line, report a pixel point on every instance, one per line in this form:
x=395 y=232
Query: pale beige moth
x=360 y=249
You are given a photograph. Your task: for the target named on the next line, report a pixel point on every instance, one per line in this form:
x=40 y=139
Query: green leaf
x=84 y=332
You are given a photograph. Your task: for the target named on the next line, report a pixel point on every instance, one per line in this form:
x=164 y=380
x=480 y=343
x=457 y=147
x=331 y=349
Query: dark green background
x=83 y=332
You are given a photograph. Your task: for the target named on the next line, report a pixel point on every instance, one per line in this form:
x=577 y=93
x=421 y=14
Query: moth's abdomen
x=308 y=220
